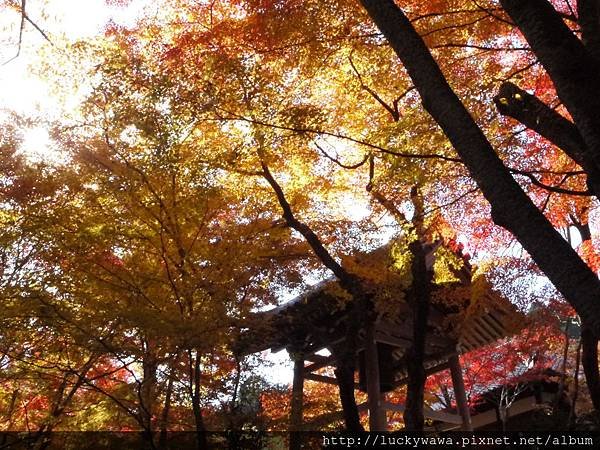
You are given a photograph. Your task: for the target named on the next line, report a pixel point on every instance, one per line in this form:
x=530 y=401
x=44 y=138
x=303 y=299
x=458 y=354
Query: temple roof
x=464 y=316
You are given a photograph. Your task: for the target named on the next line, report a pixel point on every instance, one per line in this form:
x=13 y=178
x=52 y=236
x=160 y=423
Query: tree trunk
x=503 y=416
x=563 y=375
x=588 y=14
x=297 y=402
x=344 y=373
x=571 y=421
x=415 y=356
x=573 y=70
x=511 y=208
x=147 y=394
x=201 y=440
x=164 y=418
x=589 y=340
x=589 y=361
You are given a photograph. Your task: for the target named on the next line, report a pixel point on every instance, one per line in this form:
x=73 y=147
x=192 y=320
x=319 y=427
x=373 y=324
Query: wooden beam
x=428 y=371
x=493 y=325
x=363 y=407
x=325 y=419
x=487 y=417
x=403 y=331
x=320 y=378
x=395 y=341
x=459 y=392
x=479 y=326
x=324 y=379
x=313 y=357
x=377 y=417
x=427 y=412
x=326 y=343
x=326 y=361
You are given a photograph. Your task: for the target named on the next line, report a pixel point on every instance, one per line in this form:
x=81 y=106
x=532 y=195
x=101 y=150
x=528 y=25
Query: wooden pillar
x=459 y=392
x=377 y=416
x=297 y=401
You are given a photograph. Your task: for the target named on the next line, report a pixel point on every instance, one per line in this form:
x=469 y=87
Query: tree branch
x=574 y=72
x=347 y=280
x=392 y=110
x=233 y=116
x=338 y=162
x=588 y=12
x=555 y=189
x=534 y=114
x=511 y=208
x=25 y=18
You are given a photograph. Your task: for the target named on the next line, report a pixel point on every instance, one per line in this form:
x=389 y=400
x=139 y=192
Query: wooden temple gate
x=315 y=322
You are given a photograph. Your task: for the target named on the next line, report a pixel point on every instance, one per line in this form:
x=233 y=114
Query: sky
x=21 y=89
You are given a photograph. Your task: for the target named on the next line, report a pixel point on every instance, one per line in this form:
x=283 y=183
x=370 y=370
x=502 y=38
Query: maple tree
x=500 y=372
x=208 y=120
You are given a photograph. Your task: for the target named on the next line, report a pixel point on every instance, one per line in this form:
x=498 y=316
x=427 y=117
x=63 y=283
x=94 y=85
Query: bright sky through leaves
x=27 y=92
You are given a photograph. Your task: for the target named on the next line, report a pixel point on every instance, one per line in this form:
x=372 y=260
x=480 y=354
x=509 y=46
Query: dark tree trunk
x=589 y=361
x=573 y=70
x=558 y=398
x=511 y=208
x=344 y=374
x=147 y=394
x=415 y=356
x=297 y=403
x=164 y=419
x=589 y=340
x=571 y=421
x=588 y=12
x=201 y=440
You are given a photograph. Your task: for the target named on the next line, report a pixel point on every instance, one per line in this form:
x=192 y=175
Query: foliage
x=129 y=268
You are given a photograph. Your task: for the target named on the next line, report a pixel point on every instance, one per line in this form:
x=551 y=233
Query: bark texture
x=344 y=374
x=589 y=361
x=201 y=440
x=588 y=12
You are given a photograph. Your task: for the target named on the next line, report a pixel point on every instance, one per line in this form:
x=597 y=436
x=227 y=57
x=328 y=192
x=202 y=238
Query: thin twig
x=25 y=18
x=338 y=162
x=301 y=130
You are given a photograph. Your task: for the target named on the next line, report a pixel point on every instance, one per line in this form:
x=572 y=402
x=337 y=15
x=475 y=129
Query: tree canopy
x=219 y=156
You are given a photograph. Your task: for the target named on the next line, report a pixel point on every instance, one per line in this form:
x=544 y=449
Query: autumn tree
x=259 y=57
x=299 y=107
x=126 y=254
x=572 y=66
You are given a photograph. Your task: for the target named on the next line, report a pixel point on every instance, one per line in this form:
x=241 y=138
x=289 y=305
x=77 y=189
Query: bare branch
x=25 y=18
x=392 y=110
x=347 y=280
x=451 y=202
x=338 y=162
x=301 y=130
x=481 y=47
x=555 y=189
